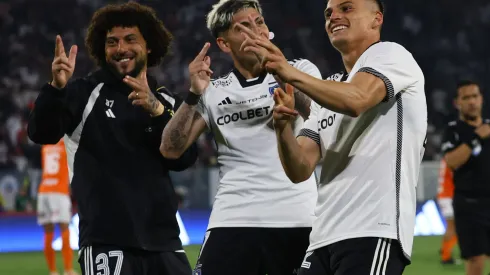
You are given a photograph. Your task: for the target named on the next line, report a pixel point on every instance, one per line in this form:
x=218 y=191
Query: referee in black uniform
x=112 y=121
x=466 y=149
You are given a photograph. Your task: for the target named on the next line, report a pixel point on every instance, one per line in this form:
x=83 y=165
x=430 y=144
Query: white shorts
x=446 y=205
x=53 y=208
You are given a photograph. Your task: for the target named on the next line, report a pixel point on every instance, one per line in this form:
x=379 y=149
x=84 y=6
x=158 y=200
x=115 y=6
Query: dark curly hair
x=129 y=14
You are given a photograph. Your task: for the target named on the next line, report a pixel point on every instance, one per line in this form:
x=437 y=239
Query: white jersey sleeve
x=394 y=65
x=306 y=66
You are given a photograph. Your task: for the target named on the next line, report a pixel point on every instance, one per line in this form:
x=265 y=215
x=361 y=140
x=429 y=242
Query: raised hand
x=200 y=72
x=284 y=106
x=269 y=55
x=142 y=94
x=63 y=66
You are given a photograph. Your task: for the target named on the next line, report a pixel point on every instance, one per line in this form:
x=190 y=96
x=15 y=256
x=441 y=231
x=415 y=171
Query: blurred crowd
x=446 y=40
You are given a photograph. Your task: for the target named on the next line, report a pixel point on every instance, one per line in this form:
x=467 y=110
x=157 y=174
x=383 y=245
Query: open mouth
x=123 y=60
x=338 y=28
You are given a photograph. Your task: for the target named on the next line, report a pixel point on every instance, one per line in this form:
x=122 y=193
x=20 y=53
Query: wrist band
x=192 y=98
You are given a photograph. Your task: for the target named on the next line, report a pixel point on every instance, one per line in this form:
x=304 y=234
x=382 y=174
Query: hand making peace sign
x=63 y=66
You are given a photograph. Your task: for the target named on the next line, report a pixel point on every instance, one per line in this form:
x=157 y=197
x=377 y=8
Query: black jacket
x=118 y=176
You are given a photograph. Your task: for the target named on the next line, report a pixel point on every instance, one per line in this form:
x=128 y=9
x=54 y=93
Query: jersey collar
x=243 y=81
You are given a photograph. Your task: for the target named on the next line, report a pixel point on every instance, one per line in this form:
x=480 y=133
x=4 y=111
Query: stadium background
x=448 y=38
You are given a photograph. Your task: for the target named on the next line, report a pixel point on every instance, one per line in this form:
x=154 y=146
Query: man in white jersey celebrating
x=368 y=127
x=261 y=221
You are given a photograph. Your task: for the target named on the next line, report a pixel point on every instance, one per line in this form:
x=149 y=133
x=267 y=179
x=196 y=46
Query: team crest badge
x=271 y=89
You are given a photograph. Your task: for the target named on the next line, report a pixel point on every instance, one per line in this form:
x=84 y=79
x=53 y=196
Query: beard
x=139 y=64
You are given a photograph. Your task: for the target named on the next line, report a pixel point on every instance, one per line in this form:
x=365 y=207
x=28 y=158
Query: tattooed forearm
x=302 y=103
x=176 y=133
x=153 y=102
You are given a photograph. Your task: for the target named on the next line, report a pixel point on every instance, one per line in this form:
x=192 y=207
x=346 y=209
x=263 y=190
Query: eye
x=328 y=13
x=346 y=8
x=111 y=42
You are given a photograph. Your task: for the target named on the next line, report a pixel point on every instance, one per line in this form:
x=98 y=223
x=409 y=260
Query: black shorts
x=110 y=260
x=361 y=256
x=472 y=228
x=252 y=251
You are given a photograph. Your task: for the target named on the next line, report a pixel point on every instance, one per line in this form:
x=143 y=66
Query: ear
x=378 y=20
x=223 y=45
x=455 y=104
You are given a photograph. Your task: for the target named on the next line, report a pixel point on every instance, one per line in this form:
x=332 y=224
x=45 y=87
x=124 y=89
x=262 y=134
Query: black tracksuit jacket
x=118 y=176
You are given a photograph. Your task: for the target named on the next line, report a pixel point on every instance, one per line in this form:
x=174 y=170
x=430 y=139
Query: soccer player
x=260 y=220
x=466 y=149
x=112 y=121
x=54 y=204
x=368 y=127
x=445 y=200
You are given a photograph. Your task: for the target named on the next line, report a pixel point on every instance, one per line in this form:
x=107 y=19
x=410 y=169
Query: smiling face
x=126 y=51
x=351 y=21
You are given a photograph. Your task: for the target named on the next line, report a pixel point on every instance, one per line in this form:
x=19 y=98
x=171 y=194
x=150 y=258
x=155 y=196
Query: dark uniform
x=472 y=189
x=127 y=204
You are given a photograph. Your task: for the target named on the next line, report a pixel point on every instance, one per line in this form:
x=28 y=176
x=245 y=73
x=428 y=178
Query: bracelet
x=192 y=98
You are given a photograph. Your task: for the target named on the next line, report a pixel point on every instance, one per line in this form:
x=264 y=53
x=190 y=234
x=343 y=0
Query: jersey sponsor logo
x=222 y=82
x=243 y=115
x=326 y=122
x=252 y=100
x=225 y=101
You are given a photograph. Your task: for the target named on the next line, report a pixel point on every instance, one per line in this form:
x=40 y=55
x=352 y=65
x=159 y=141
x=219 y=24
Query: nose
x=336 y=15
x=121 y=46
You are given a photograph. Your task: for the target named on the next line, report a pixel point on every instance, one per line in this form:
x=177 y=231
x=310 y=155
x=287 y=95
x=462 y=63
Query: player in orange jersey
x=445 y=200
x=54 y=204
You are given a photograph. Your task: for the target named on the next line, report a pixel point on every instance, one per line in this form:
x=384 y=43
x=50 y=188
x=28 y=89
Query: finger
x=246 y=30
x=62 y=60
x=61 y=67
x=283 y=110
x=277 y=98
x=247 y=42
x=252 y=22
x=289 y=89
x=207 y=60
x=205 y=68
x=132 y=95
x=142 y=75
x=203 y=52
x=138 y=102
x=267 y=45
x=282 y=95
x=60 y=48
x=133 y=83
x=72 y=55
x=254 y=49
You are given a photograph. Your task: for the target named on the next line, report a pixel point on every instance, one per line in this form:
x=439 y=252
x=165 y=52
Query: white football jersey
x=371 y=163
x=254 y=190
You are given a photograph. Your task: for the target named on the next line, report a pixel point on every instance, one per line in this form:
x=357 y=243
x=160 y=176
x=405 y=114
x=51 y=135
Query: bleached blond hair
x=221 y=15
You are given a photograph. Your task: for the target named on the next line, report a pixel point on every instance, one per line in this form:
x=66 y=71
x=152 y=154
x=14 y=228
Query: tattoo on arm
x=153 y=101
x=302 y=103
x=176 y=134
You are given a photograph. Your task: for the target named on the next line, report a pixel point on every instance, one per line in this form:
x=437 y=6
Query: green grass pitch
x=425 y=260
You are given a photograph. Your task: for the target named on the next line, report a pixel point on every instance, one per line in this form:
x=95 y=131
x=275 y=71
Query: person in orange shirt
x=445 y=200
x=54 y=204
